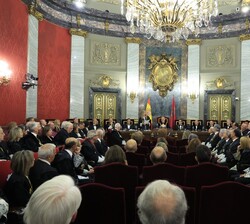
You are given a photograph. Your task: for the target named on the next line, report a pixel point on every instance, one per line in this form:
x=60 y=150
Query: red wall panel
x=13 y=50
x=54 y=71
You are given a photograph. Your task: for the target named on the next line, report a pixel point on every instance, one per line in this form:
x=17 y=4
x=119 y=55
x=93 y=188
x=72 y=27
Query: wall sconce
x=31 y=81
x=193 y=96
x=132 y=95
x=4 y=73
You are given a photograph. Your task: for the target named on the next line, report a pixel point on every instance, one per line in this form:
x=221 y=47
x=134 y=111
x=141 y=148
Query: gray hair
x=46 y=151
x=31 y=125
x=117 y=125
x=223 y=130
x=48 y=205
x=66 y=124
x=163 y=145
x=91 y=134
x=99 y=132
x=162 y=203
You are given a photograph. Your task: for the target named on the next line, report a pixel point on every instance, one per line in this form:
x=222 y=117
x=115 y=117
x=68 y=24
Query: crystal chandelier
x=169 y=20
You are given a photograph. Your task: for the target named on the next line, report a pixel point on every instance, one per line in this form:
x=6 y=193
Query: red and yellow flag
x=148 y=109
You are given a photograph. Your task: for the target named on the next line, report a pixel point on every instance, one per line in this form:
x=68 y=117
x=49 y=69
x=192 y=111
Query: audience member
x=203 y=154
x=131 y=146
x=31 y=140
x=218 y=147
x=163 y=145
x=75 y=132
x=63 y=134
x=43 y=122
x=89 y=150
x=57 y=124
x=162 y=132
x=162 y=202
x=11 y=125
x=244 y=128
x=186 y=134
x=192 y=136
x=85 y=128
x=14 y=140
x=18 y=188
x=235 y=125
x=228 y=124
x=4 y=151
x=115 y=137
x=162 y=139
x=4 y=209
x=47 y=135
x=158 y=155
x=54 y=202
x=192 y=145
x=42 y=169
x=32 y=119
x=81 y=130
x=100 y=143
x=115 y=154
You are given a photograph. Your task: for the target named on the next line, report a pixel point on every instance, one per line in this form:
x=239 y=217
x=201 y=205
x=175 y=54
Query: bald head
x=131 y=146
x=158 y=155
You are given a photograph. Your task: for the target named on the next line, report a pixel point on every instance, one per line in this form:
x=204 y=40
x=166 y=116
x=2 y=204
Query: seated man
x=110 y=125
x=55 y=201
x=128 y=125
x=203 y=154
x=63 y=134
x=163 y=122
x=162 y=202
x=100 y=143
x=131 y=146
x=144 y=121
x=95 y=125
x=180 y=125
x=158 y=155
x=196 y=126
x=115 y=137
x=42 y=170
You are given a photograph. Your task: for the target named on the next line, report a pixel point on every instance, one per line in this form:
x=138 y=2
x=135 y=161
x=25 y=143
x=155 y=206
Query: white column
x=245 y=81
x=32 y=66
x=77 y=75
x=132 y=105
x=193 y=82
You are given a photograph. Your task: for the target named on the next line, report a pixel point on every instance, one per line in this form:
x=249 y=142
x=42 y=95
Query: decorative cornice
x=78 y=32
x=32 y=11
x=134 y=40
x=193 y=42
x=244 y=37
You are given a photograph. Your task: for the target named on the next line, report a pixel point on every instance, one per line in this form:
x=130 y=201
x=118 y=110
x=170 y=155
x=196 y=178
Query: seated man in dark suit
x=128 y=125
x=31 y=141
x=100 y=143
x=89 y=150
x=110 y=125
x=42 y=169
x=63 y=161
x=95 y=125
x=180 y=125
x=196 y=126
x=115 y=137
x=63 y=134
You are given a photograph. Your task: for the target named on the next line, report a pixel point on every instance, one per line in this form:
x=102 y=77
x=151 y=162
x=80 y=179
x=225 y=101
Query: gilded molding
x=32 y=11
x=134 y=40
x=244 y=37
x=193 y=42
x=78 y=32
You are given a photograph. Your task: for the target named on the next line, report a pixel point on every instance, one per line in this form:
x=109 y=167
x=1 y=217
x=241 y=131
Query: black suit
x=90 y=152
x=230 y=160
x=219 y=145
x=101 y=147
x=126 y=127
x=94 y=127
x=14 y=146
x=115 y=138
x=41 y=172
x=61 y=136
x=64 y=164
x=196 y=127
x=82 y=133
x=31 y=142
x=4 y=151
x=45 y=139
x=209 y=138
x=215 y=139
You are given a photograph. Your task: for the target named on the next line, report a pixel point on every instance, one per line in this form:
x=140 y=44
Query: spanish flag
x=148 y=109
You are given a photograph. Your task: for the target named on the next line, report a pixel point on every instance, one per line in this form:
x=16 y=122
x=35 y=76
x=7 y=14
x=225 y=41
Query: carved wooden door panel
x=105 y=105
x=220 y=106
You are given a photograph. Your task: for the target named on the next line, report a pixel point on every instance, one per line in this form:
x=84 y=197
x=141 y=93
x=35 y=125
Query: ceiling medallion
x=163 y=73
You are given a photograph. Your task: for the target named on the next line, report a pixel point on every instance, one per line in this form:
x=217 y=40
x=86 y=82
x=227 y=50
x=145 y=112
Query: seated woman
x=75 y=132
x=18 y=188
x=115 y=154
x=14 y=143
x=192 y=145
x=47 y=135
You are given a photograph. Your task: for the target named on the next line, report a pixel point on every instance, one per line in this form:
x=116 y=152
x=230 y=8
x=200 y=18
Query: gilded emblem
x=163 y=73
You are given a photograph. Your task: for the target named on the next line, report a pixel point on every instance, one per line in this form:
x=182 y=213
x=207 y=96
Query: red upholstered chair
x=120 y=175
x=187 y=159
x=35 y=155
x=205 y=174
x=135 y=159
x=5 y=170
x=226 y=202
x=101 y=204
x=170 y=172
x=181 y=145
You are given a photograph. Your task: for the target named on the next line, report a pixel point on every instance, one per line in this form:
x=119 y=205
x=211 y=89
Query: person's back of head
x=138 y=137
x=131 y=146
x=186 y=134
x=115 y=154
x=192 y=145
x=162 y=132
x=163 y=145
x=47 y=152
x=158 y=155
x=203 y=154
x=55 y=202
x=162 y=203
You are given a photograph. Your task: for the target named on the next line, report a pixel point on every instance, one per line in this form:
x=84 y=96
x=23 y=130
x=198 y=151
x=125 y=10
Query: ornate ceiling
x=103 y=17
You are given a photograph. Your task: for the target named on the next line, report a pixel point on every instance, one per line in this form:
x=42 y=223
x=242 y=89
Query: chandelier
x=169 y=20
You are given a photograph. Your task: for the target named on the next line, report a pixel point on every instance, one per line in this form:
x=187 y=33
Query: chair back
x=187 y=159
x=136 y=159
x=101 y=204
x=205 y=174
x=170 y=172
x=173 y=158
x=226 y=202
x=5 y=170
x=120 y=175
